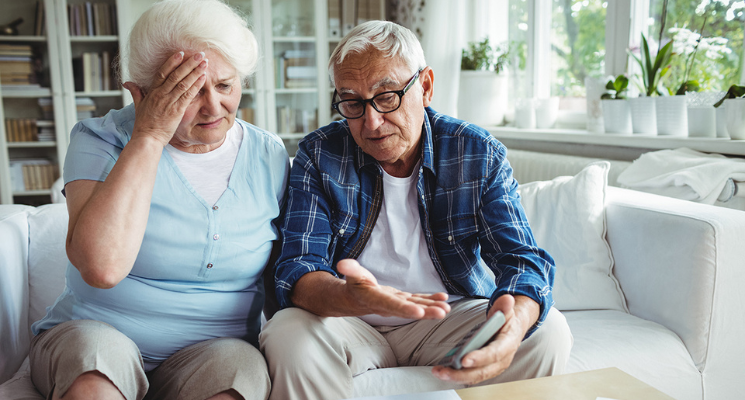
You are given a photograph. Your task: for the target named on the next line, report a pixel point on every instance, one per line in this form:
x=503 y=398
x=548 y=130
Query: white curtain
x=440 y=27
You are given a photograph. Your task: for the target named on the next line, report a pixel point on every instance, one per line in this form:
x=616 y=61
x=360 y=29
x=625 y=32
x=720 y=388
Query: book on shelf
x=21 y=130
x=85 y=107
x=246 y=114
x=296 y=69
x=32 y=174
x=92 y=72
x=291 y=120
x=40 y=23
x=92 y=19
x=17 y=66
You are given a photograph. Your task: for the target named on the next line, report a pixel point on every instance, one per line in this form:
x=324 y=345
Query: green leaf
x=733 y=92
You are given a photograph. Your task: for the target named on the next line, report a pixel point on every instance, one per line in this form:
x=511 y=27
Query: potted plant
x=616 y=111
x=643 y=111
x=734 y=111
x=482 y=97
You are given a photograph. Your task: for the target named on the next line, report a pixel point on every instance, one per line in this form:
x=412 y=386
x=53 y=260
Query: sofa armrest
x=682 y=264
x=14 y=290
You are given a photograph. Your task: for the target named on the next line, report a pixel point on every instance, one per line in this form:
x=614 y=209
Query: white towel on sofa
x=683 y=173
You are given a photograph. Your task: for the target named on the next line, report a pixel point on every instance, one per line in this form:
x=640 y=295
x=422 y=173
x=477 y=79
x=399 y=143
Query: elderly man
x=395 y=217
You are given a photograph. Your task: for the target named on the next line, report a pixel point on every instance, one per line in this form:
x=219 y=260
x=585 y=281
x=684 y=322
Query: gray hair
x=170 y=26
x=389 y=38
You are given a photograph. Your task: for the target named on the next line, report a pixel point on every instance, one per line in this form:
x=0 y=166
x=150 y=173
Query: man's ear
x=427 y=77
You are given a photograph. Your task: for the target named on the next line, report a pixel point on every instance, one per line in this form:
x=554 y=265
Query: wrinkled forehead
x=369 y=72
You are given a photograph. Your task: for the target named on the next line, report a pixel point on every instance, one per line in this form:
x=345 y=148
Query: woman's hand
x=159 y=111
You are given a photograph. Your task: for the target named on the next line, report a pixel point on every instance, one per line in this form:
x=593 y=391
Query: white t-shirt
x=209 y=173
x=396 y=252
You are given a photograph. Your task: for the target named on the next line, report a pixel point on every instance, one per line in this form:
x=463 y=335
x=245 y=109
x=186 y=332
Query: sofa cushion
x=644 y=349
x=567 y=216
x=47 y=259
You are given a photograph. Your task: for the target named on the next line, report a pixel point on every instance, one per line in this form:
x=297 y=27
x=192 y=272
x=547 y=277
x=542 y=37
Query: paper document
x=438 y=395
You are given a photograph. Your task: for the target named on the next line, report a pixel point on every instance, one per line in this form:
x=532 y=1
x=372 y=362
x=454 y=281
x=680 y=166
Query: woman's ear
x=427 y=77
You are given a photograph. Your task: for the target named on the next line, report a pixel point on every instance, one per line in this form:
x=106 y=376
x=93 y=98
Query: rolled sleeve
x=306 y=230
x=508 y=245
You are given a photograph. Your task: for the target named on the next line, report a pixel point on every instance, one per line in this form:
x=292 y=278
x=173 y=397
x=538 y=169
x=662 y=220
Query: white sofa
x=680 y=266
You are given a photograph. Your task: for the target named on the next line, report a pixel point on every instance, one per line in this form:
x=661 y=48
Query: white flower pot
x=482 y=97
x=722 y=122
x=735 y=109
x=702 y=121
x=525 y=113
x=595 y=87
x=672 y=116
x=643 y=115
x=616 y=116
x=546 y=112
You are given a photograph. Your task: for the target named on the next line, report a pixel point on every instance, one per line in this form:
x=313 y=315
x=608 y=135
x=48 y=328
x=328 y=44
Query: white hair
x=389 y=38
x=170 y=26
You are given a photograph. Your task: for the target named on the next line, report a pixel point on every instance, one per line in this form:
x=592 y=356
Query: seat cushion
x=644 y=349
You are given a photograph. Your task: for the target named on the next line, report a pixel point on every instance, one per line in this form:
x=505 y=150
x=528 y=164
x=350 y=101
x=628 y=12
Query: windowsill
x=583 y=137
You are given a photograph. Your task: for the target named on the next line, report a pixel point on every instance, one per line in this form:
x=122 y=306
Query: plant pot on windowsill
x=616 y=111
x=616 y=116
x=643 y=115
x=482 y=97
x=672 y=116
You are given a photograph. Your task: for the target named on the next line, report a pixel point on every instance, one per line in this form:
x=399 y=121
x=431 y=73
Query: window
x=716 y=63
x=555 y=44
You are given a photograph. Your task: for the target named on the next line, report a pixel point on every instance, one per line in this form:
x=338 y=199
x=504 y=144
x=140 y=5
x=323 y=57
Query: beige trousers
x=61 y=354
x=312 y=357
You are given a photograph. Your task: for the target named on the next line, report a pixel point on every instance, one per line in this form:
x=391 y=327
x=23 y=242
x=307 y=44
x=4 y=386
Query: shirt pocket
x=452 y=233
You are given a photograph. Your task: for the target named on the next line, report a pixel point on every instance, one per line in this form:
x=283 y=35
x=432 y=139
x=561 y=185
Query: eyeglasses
x=383 y=103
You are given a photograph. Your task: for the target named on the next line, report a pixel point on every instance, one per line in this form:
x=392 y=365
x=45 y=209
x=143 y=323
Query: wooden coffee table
x=610 y=383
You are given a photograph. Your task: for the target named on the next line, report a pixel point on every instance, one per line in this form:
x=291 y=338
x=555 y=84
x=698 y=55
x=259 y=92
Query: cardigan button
x=209 y=266
x=341 y=231
x=215 y=207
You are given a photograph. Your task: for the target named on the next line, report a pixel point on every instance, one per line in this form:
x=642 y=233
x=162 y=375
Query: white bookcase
x=289 y=95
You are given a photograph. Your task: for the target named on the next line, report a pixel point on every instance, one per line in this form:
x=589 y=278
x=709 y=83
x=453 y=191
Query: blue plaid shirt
x=469 y=209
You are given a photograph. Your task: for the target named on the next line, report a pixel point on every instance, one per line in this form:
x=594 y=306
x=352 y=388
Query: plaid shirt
x=469 y=209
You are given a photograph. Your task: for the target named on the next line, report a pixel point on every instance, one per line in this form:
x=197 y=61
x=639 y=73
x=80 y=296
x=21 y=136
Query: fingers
x=169 y=66
x=182 y=78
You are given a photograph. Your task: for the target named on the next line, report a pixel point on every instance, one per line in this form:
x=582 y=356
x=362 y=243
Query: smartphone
x=475 y=339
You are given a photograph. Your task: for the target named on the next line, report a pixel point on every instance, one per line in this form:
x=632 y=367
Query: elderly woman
x=172 y=205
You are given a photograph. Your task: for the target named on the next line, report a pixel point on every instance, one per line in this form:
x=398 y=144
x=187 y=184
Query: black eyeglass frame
x=371 y=100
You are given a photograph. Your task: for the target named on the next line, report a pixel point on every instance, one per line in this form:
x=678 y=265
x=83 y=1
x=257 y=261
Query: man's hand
x=493 y=359
x=325 y=295
x=363 y=290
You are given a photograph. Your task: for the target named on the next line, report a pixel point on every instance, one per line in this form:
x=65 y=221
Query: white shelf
x=10 y=93
x=295 y=90
x=94 y=39
x=707 y=145
x=23 y=38
x=25 y=145
x=294 y=39
x=102 y=93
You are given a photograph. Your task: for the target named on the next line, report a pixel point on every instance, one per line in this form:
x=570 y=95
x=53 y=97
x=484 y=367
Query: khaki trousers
x=61 y=354
x=312 y=357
